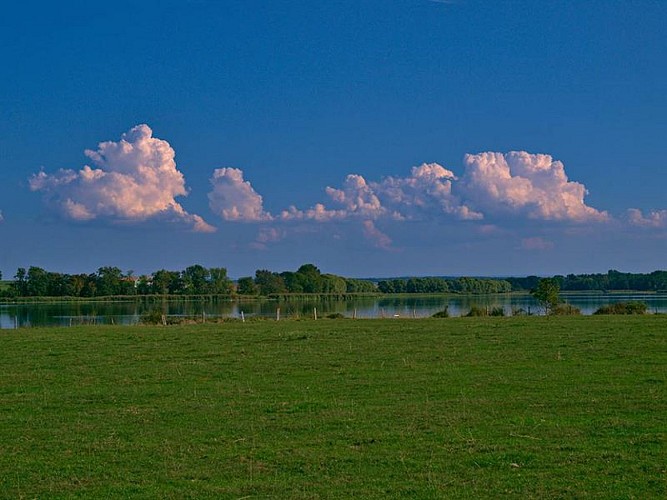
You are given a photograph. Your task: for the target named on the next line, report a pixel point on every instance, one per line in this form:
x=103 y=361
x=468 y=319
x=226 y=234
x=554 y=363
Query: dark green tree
x=246 y=286
x=196 y=280
x=269 y=283
x=109 y=281
x=219 y=283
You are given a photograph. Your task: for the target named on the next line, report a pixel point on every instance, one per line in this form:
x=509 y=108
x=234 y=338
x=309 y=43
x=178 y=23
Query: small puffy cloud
x=2 y=218
x=536 y=243
x=134 y=179
x=267 y=235
x=655 y=218
x=520 y=183
x=234 y=198
x=318 y=213
x=372 y=233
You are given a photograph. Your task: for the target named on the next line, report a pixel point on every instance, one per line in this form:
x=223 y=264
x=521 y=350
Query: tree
x=546 y=293
x=109 y=281
x=269 y=282
x=219 y=284
x=21 y=282
x=246 y=286
x=37 y=282
x=196 y=280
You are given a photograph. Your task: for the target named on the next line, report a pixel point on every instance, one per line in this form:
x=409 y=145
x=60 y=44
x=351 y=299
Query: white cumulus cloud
x=520 y=183
x=494 y=186
x=425 y=193
x=134 y=179
x=234 y=199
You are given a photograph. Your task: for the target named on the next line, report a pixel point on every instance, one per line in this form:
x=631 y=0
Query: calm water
x=128 y=313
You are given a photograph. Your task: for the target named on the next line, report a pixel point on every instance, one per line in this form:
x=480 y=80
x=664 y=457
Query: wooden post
x=242 y=317
x=355 y=313
x=315 y=312
x=278 y=314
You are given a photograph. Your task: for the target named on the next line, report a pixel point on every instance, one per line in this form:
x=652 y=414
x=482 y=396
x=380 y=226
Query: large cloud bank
x=493 y=185
x=133 y=179
x=533 y=185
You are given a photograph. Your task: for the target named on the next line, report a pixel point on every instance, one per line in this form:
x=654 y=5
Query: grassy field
x=455 y=408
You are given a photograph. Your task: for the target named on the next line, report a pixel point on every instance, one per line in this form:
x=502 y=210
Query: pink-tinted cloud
x=524 y=184
x=377 y=237
x=357 y=198
x=536 y=243
x=267 y=235
x=494 y=186
x=425 y=193
x=234 y=198
x=654 y=218
x=318 y=213
x=134 y=179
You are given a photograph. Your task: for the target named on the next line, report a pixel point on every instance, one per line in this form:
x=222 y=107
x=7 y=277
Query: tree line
x=193 y=280
x=444 y=285
x=610 y=281
x=308 y=279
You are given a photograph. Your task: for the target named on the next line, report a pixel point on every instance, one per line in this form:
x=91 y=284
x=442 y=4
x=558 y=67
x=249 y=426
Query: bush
x=442 y=314
x=566 y=310
x=498 y=311
x=477 y=311
x=335 y=316
x=520 y=311
x=153 y=317
x=623 y=308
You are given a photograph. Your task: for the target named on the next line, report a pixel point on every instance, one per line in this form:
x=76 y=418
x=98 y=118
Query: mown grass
x=456 y=408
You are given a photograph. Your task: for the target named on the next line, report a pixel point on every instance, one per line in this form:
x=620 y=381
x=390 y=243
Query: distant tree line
x=444 y=285
x=610 y=281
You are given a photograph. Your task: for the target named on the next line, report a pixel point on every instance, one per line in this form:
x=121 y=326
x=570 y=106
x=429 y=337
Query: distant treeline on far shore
x=198 y=280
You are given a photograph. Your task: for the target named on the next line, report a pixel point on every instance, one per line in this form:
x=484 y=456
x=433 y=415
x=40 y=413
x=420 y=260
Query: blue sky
x=387 y=126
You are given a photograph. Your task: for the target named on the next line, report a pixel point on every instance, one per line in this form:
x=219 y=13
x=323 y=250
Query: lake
x=129 y=312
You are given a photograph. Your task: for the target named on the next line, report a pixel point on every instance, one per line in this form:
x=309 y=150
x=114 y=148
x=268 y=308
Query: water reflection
x=130 y=312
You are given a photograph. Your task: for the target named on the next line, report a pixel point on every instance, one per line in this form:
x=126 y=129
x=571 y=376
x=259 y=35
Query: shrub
x=498 y=311
x=566 y=310
x=477 y=311
x=623 y=308
x=335 y=316
x=442 y=314
x=520 y=311
x=152 y=317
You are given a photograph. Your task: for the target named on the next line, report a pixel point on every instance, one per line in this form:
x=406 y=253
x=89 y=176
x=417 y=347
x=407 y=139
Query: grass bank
x=457 y=408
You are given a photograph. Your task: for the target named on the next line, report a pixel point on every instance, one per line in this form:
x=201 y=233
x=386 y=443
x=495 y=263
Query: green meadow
x=524 y=407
